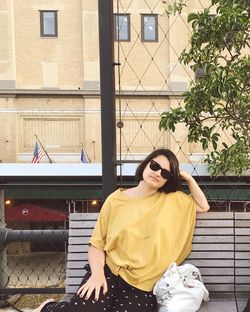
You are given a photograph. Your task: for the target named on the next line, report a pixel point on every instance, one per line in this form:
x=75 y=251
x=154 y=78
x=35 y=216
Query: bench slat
x=214 y=223
x=242 y=247
x=245 y=255
x=80 y=232
x=213 y=239
x=77 y=248
x=223 y=279
x=77 y=256
x=83 y=216
x=211 y=247
x=211 y=255
x=211 y=263
x=76 y=264
x=215 y=215
x=242 y=231
x=242 y=216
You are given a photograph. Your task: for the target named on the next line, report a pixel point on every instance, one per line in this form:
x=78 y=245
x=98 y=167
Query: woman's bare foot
x=43 y=304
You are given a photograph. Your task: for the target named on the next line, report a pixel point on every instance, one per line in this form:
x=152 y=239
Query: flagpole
x=50 y=160
x=85 y=152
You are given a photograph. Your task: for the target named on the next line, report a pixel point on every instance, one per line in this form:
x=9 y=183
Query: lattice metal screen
x=151 y=80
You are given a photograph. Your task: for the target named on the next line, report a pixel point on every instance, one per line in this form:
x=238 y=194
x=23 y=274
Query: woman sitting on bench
x=139 y=232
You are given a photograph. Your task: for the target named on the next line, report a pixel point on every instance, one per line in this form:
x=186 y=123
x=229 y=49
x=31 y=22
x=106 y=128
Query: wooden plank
x=212 y=246
x=242 y=231
x=71 y=289
x=76 y=264
x=215 y=215
x=213 y=239
x=242 y=288
x=83 y=216
x=242 y=239
x=245 y=255
x=214 y=231
x=220 y=287
x=242 y=279
x=214 y=223
x=80 y=232
x=242 y=216
x=243 y=271
x=79 y=240
x=77 y=256
x=242 y=223
x=214 y=279
x=242 y=247
x=219 y=263
x=211 y=255
x=242 y=263
x=222 y=305
x=74 y=280
x=216 y=271
x=83 y=224
x=78 y=248
x=75 y=272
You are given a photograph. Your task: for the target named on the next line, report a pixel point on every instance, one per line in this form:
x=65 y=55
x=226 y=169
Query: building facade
x=50 y=85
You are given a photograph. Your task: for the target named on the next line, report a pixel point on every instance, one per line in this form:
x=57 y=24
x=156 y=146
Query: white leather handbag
x=180 y=289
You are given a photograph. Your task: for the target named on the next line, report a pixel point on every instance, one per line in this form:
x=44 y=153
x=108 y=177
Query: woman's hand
x=185 y=176
x=94 y=283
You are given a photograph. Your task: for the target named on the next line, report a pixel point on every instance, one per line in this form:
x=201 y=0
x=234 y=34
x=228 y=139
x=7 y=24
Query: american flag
x=38 y=154
x=84 y=157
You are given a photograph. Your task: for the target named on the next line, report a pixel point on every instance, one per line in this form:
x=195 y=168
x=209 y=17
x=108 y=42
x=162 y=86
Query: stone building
x=49 y=78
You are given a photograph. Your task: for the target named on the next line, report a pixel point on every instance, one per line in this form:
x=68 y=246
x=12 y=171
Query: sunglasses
x=153 y=165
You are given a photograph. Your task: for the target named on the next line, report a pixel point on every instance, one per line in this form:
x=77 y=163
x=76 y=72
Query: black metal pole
x=3 y=255
x=8 y=236
x=107 y=85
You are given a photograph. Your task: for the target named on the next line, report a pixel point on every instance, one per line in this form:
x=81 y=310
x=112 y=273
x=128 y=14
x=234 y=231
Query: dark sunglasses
x=153 y=165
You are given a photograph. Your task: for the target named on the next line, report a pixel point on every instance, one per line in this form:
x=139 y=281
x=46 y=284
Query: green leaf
x=192 y=17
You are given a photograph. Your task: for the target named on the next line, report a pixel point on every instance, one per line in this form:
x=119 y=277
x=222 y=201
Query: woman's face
x=154 y=178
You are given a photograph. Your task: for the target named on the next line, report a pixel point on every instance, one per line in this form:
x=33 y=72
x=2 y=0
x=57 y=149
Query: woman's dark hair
x=173 y=184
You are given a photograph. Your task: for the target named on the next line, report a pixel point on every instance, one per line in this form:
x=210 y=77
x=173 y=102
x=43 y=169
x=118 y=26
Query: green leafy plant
x=220 y=97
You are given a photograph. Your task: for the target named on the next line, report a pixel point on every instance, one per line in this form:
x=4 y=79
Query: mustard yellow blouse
x=142 y=236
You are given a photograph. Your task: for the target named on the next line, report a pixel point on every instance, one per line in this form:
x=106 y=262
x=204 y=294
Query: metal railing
x=37 y=272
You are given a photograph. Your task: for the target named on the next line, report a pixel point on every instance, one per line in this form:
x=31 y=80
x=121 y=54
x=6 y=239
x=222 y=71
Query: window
x=149 y=27
x=122 y=27
x=48 y=23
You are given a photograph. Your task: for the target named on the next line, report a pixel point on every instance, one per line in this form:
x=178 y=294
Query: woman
x=139 y=232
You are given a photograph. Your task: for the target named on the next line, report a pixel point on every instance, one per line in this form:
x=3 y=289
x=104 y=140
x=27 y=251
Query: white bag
x=180 y=289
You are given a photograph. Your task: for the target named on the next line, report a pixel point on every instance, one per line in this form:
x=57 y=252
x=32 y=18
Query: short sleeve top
x=142 y=236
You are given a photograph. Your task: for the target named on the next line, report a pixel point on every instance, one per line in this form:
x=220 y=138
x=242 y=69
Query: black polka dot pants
x=121 y=297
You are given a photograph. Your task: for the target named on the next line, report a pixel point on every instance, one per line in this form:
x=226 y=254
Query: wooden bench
x=221 y=250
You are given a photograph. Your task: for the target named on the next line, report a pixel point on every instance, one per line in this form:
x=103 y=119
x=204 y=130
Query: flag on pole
x=84 y=157
x=38 y=154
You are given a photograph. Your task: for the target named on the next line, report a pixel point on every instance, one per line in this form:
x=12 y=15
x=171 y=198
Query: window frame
x=42 y=34
x=116 y=38
x=143 y=30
